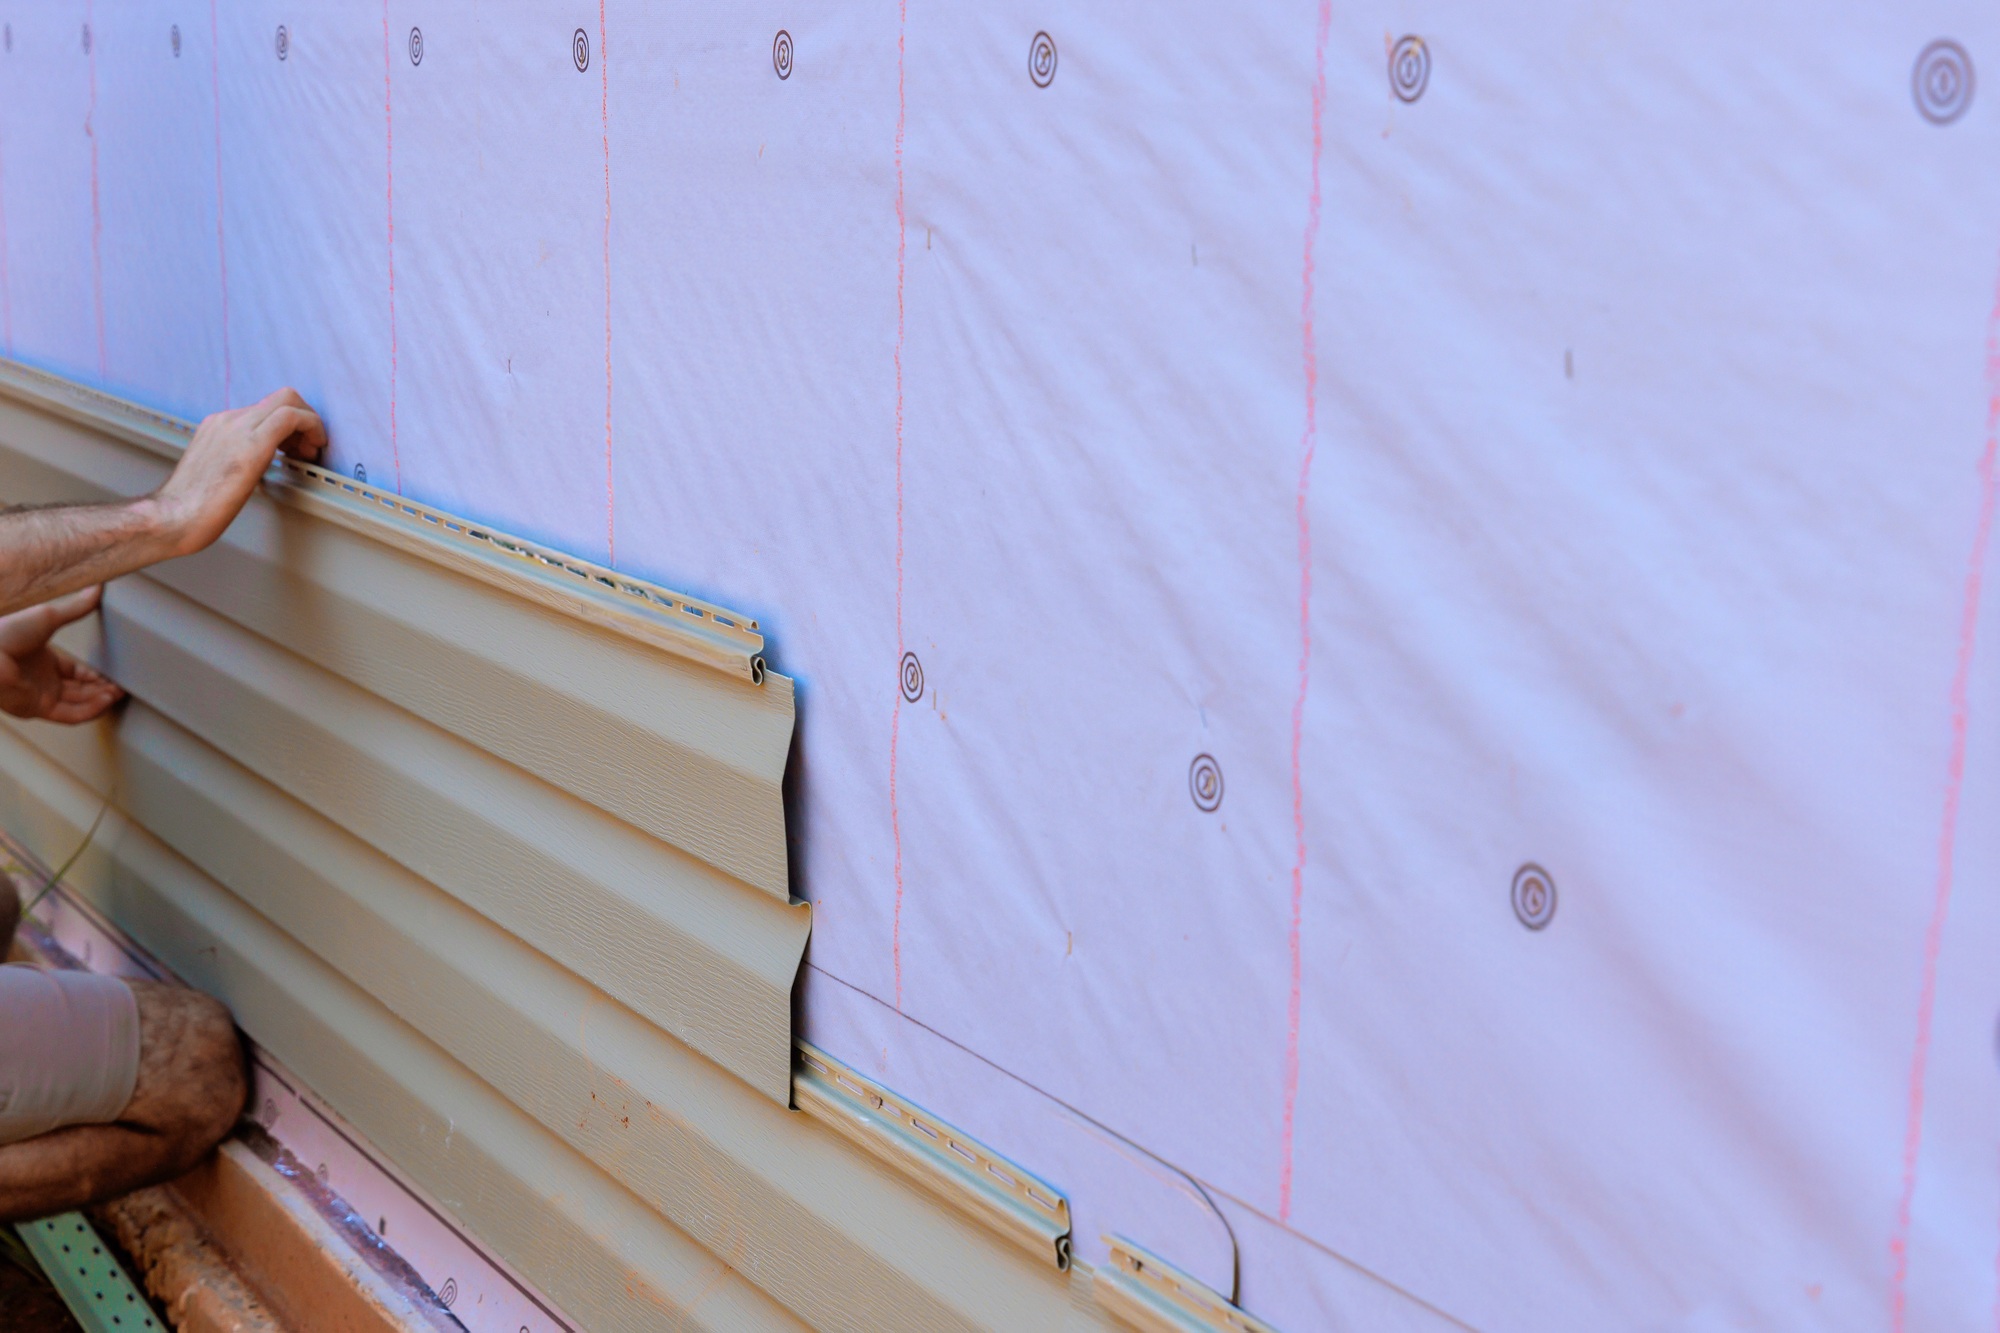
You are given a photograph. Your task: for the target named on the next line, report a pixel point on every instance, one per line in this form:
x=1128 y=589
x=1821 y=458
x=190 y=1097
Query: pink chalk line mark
x=389 y=188
x=96 y=213
x=610 y=493
x=896 y=716
x=1954 y=781
x=221 y=250
x=1308 y=445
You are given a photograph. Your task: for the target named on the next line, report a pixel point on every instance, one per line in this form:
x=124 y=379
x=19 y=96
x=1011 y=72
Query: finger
x=24 y=632
x=278 y=424
x=91 y=689
x=70 y=687
x=297 y=430
x=81 y=671
x=28 y=630
x=271 y=405
x=255 y=414
x=73 y=694
x=83 y=710
x=308 y=445
x=74 y=606
x=309 y=433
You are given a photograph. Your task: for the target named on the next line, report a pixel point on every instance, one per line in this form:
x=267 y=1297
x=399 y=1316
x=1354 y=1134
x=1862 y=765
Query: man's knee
x=192 y=1083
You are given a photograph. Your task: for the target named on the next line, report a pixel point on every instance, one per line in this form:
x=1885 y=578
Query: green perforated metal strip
x=92 y=1281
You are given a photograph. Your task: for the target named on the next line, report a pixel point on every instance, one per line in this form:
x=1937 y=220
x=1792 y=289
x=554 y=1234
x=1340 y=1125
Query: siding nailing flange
x=1147 y=1292
x=950 y=1164
x=682 y=625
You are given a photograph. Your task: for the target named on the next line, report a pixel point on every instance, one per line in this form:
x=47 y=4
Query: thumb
x=72 y=607
x=26 y=631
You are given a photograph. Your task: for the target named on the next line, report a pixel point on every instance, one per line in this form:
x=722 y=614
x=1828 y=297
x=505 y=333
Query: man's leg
x=189 y=1093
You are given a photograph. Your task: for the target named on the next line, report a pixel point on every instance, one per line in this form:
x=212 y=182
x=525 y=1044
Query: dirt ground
x=28 y=1304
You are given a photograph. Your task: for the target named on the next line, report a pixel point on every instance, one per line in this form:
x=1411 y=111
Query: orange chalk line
x=1960 y=707
x=610 y=492
x=896 y=714
x=389 y=132
x=96 y=212
x=221 y=250
x=1308 y=445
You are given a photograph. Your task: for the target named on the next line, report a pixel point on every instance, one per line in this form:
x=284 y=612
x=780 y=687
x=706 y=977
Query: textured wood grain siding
x=683 y=752
x=699 y=954
x=790 y=1208
x=620 y=806
x=607 y=1258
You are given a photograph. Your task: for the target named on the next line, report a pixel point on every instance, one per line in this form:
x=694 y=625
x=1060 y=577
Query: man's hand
x=48 y=551
x=37 y=680
x=226 y=459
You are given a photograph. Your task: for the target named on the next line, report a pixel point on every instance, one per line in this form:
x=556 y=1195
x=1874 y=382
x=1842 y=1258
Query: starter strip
x=89 y=1277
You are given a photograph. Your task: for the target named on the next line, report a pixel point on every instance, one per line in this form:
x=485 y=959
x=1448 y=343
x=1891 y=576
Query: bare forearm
x=45 y=553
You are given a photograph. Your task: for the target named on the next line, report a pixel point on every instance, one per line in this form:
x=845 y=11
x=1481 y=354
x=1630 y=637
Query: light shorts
x=69 y=1050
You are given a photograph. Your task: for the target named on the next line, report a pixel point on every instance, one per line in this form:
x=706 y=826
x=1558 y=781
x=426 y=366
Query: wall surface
x=1391 y=635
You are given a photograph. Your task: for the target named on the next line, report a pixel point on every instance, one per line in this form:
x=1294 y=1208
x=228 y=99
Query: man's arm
x=45 y=553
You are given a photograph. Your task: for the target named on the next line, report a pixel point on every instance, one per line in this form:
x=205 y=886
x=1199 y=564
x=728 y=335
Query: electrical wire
x=55 y=876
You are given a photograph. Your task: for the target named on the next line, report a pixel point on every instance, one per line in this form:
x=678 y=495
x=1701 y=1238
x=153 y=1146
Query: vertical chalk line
x=221 y=250
x=389 y=188
x=1308 y=445
x=96 y=213
x=610 y=492
x=896 y=715
x=1954 y=781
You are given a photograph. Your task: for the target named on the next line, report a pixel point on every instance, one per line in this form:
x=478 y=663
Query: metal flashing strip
x=685 y=626
x=93 y=1283
x=952 y=1165
x=1149 y=1293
